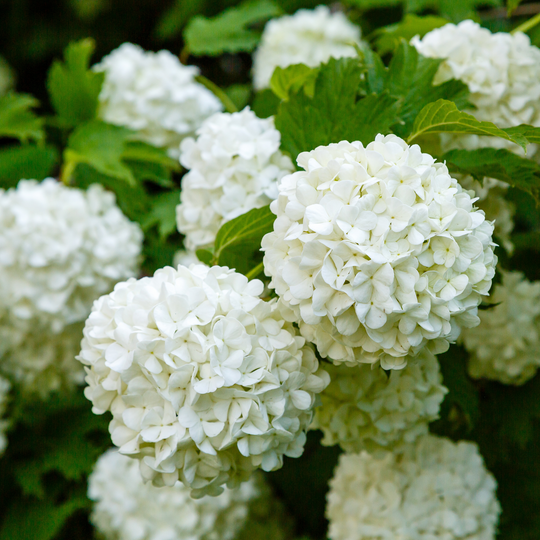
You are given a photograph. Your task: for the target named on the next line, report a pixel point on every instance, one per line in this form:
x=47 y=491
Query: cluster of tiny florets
x=506 y=345
x=234 y=166
x=364 y=408
x=5 y=387
x=377 y=252
x=308 y=37
x=60 y=248
x=125 y=508
x=434 y=489
x=205 y=381
x=154 y=95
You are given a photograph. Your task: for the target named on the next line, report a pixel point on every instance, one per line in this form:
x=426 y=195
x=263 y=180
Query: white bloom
x=377 y=252
x=363 y=408
x=436 y=489
x=125 y=508
x=506 y=345
x=60 y=248
x=502 y=71
x=308 y=37
x=6 y=77
x=234 y=165
x=154 y=95
x=4 y=424
x=205 y=381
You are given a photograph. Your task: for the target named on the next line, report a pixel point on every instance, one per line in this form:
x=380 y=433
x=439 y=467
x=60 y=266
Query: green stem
x=254 y=272
x=218 y=92
x=527 y=25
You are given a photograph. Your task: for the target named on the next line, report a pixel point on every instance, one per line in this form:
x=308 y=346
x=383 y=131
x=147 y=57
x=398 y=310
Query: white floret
x=234 y=166
x=5 y=387
x=506 y=345
x=364 y=408
x=154 y=95
x=377 y=252
x=436 y=489
x=125 y=508
x=308 y=37
x=60 y=248
x=205 y=381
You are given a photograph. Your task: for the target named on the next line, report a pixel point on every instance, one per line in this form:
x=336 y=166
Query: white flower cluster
x=154 y=95
x=377 y=252
x=6 y=77
x=308 y=37
x=365 y=409
x=502 y=71
x=205 y=381
x=5 y=387
x=435 y=489
x=506 y=345
x=60 y=248
x=235 y=164
x=125 y=508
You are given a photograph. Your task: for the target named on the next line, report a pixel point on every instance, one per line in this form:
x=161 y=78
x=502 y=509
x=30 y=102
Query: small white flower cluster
x=308 y=37
x=6 y=77
x=363 y=408
x=5 y=387
x=506 y=345
x=205 y=381
x=235 y=164
x=378 y=252
x=154 y=95
x=60 y=248
x=435 y=489
x=502 y=71
x=125 y=508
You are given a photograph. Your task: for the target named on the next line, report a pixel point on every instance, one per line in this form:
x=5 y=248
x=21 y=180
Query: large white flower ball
x=363 y=408
x=234 y=166
x=436 y=489
x=206 y=382
x=125 y=508
x=506 y=345
x=308 y=37
x=377 y=252
x=501 y=70
x=5 y=387
x=154 y=95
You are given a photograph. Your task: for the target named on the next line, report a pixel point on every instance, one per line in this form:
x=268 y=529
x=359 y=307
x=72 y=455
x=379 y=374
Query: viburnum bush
x=268 y=270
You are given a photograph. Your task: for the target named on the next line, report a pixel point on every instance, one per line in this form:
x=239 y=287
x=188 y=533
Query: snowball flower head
x=125 y=508
x=235 y=164
x=4 y=424
x=308 y=37
x=365 y=409
x=377 y=252
x=435 y=489
x=154 y=95
x=60 y=248
x=506 y=345
x=205 y=381
x=502 y=71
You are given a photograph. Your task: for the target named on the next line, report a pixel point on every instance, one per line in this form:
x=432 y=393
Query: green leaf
x=292 y=78
x=230 y=31
x=205 y=256
x=389 y=37
x=17 y=119
x=511 y=5
x=501 y=164
x=265 y=103
x=27 y=161
x=176 y=17
x=163 y=213
x=73 y=87
x=444 y=117
x=334 y=113
x=100 y=145
x=239 y=94
x=238 y=241
x=147 y=162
